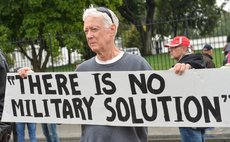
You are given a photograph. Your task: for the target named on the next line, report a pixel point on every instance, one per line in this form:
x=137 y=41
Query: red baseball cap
x=179 y=41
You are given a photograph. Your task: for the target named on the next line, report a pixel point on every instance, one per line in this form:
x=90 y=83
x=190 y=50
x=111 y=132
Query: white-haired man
x=100 y=27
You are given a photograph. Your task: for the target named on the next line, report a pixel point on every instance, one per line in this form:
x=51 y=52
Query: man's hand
x=23 y=72
x=180 y=68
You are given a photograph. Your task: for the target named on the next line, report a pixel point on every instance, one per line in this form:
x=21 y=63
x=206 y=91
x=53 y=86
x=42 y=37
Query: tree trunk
x=149 y=45
x=143 y=41
x=69 y=56
x=150 y=6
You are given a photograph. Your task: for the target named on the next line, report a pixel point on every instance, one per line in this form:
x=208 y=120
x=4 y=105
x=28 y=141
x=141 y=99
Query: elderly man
x=100 y=27
x=179 y=50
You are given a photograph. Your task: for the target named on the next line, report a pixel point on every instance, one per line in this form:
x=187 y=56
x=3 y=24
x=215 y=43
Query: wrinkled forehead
x=93 y=21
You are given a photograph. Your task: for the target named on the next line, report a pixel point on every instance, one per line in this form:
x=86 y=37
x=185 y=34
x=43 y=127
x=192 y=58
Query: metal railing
x=65 y=59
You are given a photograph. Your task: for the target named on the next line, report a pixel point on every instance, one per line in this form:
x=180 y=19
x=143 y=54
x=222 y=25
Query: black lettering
x=141 y=84
x=150 y=84
x=47 y=84
x=133 y=112
x=109 y=83
x=46 y=108
x=37 y=84
x=178 y=109
x=22 y=86
x=74 y=84
x=164 y=101
x=97 y=83
x=214 y=110
x=28 y=107
x=77 y=104
x=36 y=113
x=187 y=111
x=121 y=102
x=113 y=112
x=67 y=109
x=18 y=105
x=56 y=102
x=61 y=84
x=88 y=105
x=144 y=110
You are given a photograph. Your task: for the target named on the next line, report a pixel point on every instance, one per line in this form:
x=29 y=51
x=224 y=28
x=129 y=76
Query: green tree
x=131 y=37
x=6 y=45
x=199 y=17
x=140 y=13
x=41 y=24
x=223 y=25
x=36 y=23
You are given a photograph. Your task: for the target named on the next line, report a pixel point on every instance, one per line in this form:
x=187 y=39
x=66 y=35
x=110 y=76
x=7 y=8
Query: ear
x=186 y=49
x=113 y=28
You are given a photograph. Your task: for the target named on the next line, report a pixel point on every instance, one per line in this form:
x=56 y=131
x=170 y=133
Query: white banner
x=198 y=98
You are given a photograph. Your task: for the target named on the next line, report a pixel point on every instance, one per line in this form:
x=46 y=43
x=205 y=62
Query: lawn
x=158 y=62
x=65 y=68
x=164 y=62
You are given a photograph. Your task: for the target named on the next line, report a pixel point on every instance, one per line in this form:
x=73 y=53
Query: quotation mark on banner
x=11 y=79
x=225 y=97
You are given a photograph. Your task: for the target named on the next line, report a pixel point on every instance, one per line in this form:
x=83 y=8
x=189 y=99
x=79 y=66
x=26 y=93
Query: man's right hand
x=23 y=72
x=180 y=68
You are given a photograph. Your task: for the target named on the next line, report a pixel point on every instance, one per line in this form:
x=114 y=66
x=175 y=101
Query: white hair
x=93 y=12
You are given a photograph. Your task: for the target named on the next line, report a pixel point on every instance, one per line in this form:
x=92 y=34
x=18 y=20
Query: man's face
x=97 y=34
x=177 y=52
x=209 y=52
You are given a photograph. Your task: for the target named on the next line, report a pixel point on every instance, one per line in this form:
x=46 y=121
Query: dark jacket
x=208 y=61
x=5 y=128
x=195 y=60
x=3 y=71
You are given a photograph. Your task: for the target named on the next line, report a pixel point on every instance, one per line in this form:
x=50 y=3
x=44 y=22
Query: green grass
x=158 y=62
x=65 y=68
x=218 y=57
x=164 y=62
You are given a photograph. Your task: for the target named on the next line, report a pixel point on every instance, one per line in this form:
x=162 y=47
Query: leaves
x=40 y=20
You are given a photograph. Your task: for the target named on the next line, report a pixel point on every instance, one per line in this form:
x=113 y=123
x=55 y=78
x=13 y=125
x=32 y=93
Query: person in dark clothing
x=179 y=50
x=5 y=128
x=207 y=52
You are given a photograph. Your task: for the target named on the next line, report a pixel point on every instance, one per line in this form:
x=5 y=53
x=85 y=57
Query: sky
x=227 y=6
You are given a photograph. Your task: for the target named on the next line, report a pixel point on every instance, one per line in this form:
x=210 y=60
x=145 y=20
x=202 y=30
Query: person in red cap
x=179 y=49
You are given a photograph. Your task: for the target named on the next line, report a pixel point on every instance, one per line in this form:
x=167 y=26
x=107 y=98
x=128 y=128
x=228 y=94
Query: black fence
x=66 y=59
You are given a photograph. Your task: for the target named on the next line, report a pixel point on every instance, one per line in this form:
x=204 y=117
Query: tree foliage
x=140 y=14
x=38 y=25
x=131 y=38
x=170 y=17
x=195 y=17
x=42 y=24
